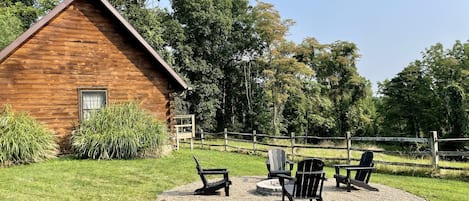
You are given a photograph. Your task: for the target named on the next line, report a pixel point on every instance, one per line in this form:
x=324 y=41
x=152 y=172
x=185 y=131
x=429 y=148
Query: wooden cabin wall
x=81 y=48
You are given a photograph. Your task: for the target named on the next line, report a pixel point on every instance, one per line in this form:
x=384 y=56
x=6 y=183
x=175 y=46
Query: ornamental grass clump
x=122 y=131
x=24 y=140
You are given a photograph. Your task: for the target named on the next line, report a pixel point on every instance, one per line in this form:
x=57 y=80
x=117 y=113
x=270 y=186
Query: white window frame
x=81 y=91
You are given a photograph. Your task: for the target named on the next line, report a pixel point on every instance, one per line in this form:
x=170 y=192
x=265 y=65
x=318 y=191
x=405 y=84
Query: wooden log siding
x=81 y=48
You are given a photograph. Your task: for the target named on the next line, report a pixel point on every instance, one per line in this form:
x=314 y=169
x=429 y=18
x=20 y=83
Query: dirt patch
x=244 y=188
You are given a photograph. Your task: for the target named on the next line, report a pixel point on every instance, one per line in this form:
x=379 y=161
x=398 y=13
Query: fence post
x=193 y=131
x=202 y=138
x=292 y=144
x=226 y=138
x=177 y=139
x=349 y=146
x=434 y=146
x=254 y=140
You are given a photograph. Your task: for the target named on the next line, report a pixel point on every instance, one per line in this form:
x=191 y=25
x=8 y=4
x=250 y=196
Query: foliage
x=10 y=27
x=343 y=91
x=147 y=21
x=210 y=39
x=17 y=16
x=23 y=140
x=119 y=132
x=429 y=95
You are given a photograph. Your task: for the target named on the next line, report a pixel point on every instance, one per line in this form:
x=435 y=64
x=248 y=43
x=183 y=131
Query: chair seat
x=216 y=184
x=340 y=177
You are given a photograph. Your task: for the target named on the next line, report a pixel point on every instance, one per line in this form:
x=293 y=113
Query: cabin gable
x=82 y=48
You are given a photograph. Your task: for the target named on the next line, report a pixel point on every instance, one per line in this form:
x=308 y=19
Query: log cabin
x=79 y=57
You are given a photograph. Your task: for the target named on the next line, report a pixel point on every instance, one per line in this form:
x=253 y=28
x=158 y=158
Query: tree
x=147 y=21
x=10 y=27
x=205 y=51
x=336 y=70
x=409 y=102
x=282 y=72
x=17 y=16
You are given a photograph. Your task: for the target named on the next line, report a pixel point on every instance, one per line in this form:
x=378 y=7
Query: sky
x=389 y=33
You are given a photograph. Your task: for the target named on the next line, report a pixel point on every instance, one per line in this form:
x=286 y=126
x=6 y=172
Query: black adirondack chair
x=362 y=175
x=210 y=188
x=307 y=183
x=276 y=163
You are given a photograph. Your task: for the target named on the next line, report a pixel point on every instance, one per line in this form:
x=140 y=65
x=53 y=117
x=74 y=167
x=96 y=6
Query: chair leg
x=227 y=191
x=348 y=185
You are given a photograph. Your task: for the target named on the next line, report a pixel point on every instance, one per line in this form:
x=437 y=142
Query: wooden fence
x=252 y=138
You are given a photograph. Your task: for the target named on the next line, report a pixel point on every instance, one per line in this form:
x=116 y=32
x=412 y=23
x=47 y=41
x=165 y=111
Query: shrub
x=118 y=132
x=23 y=140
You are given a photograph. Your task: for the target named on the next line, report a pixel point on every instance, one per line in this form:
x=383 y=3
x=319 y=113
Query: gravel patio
x=244 y=188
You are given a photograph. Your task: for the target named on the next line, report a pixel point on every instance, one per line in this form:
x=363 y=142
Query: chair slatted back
x=199 y=170
x=277 y=159
x=365 y=161
x=308 y=181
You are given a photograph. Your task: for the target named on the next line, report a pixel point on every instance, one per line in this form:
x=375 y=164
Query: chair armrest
x=213 y=172
x=283 y=176
x=290 y=163
x=345 y=166
x=215 y=169
x=360 y=168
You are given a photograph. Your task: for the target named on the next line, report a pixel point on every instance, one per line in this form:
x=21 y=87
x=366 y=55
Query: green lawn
x=144 y=179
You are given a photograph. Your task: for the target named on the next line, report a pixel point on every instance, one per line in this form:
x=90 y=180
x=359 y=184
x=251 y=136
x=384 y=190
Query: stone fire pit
x=269 y=187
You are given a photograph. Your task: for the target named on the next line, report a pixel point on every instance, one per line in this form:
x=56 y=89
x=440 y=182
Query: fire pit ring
x=269 y=187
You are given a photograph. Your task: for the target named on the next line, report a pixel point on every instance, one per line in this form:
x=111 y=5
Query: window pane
x=92 y=101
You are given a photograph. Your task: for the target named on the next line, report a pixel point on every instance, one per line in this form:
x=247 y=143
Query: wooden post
x=193 y=131
x=254 y=140
x=226 y=138
x=349 y=146
x=202 y=138
x=434 y=146
x=292 y=144
x=177 y=139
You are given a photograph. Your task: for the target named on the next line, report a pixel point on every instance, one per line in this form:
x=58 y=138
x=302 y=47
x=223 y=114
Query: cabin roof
x=181 y=84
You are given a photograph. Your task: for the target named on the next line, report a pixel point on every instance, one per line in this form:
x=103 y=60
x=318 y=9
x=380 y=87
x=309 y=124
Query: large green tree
x=430 y=94
x=212 y=38
x=409 y=102
x=337 y=72
x=282 y=72
x=17 y=16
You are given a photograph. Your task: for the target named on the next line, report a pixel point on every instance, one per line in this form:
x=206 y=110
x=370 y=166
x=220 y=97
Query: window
x=91 y=101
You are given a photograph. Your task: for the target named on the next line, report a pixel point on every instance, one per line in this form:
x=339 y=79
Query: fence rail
x=252 y=138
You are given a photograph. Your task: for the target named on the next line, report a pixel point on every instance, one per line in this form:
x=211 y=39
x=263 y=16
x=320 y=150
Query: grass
x=143 y=179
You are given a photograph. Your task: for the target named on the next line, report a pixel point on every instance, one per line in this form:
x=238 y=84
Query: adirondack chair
x=307 y=183
x=362 y=175
x=276 y=163
x=210 y=188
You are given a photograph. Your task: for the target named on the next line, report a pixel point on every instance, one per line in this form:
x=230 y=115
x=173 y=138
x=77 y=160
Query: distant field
x=338 y=153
